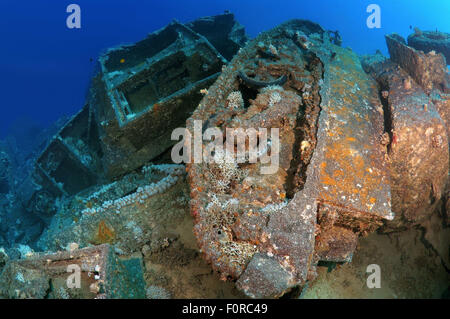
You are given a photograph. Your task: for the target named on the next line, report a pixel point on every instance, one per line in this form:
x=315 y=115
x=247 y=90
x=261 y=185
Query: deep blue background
x=45 y=67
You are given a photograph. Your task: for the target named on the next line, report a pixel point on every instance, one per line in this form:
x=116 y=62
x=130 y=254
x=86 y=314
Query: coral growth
x=224 y=170
x=235 y=100
x=155 y=292
x=173 y=173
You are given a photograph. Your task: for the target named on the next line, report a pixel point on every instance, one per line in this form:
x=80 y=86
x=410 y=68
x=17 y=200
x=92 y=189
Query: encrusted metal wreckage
x=363 y=145
x=428 y=41
x=102 y=275
x=332 y=181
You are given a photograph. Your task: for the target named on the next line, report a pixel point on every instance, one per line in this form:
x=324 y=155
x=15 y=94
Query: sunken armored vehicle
x=362 y=145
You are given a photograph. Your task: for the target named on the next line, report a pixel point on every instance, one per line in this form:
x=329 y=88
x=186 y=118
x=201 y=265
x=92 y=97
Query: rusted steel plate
x=418 y=153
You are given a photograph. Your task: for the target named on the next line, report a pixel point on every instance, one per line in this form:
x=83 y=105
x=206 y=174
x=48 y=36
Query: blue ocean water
x=46 y=67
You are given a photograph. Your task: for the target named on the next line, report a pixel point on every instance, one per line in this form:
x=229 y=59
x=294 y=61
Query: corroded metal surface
x=353 y=187
x=428 y=70
x=428 y=41
x=353 y=149
x=263 y=228
x=71 y=161
x=442 y=103
x=151 y=93
x=352 y=173
x=102 y=275
x=231 y=232
x=418 y=149
x=140 y=94
x=419 y=154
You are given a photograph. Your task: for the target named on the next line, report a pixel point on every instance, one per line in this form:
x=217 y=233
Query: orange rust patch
x=104 y=233
x=350 y=171
x=350 y=167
